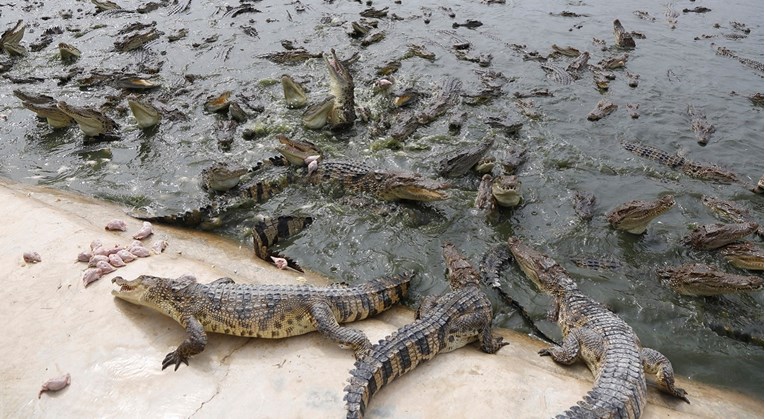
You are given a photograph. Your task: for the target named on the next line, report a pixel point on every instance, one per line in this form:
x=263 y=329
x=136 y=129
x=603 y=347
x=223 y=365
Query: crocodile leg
x=426 y=305
x=656 y=363
x=568 y=352
x=489 y=343
x=196 y=340
x=324 y=321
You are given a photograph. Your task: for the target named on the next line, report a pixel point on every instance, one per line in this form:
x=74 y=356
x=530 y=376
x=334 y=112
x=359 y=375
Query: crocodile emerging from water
x=264 y=311
x=442 y=324
x=388 y=186
x=607 y=344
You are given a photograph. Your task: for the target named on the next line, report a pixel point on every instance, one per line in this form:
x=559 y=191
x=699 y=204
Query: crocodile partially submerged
x=388 y=186
x=339 y=112
x=443 y=323
x=702 y=171
x=713 y=236
x=634 y=216
x=607 y=344
x=263 y=311
x=268 y=232
x=697 y=279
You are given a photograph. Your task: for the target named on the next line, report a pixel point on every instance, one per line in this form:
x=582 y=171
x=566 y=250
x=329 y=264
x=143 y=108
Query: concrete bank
x=113 y=350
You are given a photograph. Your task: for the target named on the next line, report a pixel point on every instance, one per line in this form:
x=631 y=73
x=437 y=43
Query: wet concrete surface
x=113 y=350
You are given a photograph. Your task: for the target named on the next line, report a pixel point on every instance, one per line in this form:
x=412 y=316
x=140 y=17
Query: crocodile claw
x=544 y=352
x=174 y=358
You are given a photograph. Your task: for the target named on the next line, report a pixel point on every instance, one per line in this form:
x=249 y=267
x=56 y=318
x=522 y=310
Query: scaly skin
x=388 y=186
x=601 y=339
x=743 y=255
x=442 y=324
x=264 y=311
x=460 y=163
x=698 y=279
x=266 y=233
x=92 y=122
x=634 y=216
x=654 y=154
x=712 y=236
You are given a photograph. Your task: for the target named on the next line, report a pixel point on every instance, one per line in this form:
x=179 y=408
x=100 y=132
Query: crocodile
x=634 y=216
x=263 y=311
x=146 y=115
x=695 y=170
x=728 y=211
x=602 y=109
x=700 y=126
x=462 y=161
x=388 y=186
x=597 y=264
x=10 y=40
x=68 y=53
x=339 y=112
x=294 y=94
x=222 y=176
x=622 y=37
x=584 y=205
x=442 y=324
x=713 y=236
x=743 y=255
x=605 y=342
x=697 y=279
x=266 y=233
x=45 y=107
x=92 y=122
x=137 y=40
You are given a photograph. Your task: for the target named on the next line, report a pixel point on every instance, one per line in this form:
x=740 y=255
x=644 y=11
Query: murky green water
x=354 y=240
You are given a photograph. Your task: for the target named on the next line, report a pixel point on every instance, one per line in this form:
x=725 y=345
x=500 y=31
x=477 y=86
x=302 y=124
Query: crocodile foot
x=176 y=358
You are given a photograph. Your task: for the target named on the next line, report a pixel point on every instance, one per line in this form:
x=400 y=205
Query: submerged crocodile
x=607 y=344
x=634 y=216
x=702 y=171
x=713 y=236
x=263 y=311
x=699 y=279
x=442 y=324
x=388 y=186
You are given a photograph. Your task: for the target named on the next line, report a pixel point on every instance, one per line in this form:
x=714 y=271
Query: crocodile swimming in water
x=263 y=311
x=442 y=324
x=606 y=343
x=702 y=171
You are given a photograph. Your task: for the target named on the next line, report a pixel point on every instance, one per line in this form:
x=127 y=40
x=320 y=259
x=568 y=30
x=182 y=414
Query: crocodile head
x=712 y=236
x=294 y=94
x=91 y=121
x=411 y=187
x=51 y=113
x=317 y=115
x=743 y=255
x=68 y=52
x=152 y=291
x=145 y=114
x=699 y=279
x=507 y=190
x=296 y=152
x=341 y=86
x=634 y=216
x=545 y=272
x=222 y=176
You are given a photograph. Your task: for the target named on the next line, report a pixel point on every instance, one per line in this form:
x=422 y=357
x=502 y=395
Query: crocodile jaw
x=134 y=291
x=316 y=116
x=413 y=189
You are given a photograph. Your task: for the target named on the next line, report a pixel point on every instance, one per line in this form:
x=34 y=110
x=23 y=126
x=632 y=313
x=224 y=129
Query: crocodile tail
x=384 y=292
x=191 y=218
x=267 y=233
x=614 y=395
x=389 y=359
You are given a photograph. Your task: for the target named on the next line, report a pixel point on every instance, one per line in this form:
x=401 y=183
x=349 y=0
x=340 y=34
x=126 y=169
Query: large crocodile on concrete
x=607 y=344
x=442 y=324
x=263 y=311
